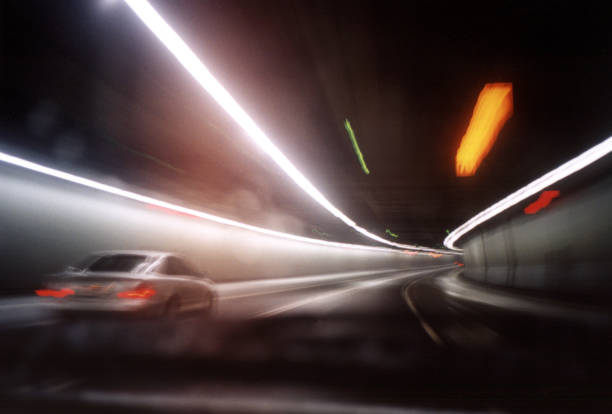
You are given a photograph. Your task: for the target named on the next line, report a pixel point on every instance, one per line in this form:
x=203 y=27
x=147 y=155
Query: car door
x=189 y=290
x=200 y=288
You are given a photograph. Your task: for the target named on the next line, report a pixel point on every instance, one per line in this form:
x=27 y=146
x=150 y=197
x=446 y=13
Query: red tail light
x=141 y=292
x=56 y=293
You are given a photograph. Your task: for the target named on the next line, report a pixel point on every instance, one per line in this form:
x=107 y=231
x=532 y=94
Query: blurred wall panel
x=565 y=248
x=47 y=224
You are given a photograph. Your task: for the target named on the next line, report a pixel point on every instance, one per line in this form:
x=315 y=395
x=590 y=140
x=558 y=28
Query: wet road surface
x=392 y=341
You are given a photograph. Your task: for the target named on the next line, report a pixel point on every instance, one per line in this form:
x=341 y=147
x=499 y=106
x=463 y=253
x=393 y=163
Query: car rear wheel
x=209 y=304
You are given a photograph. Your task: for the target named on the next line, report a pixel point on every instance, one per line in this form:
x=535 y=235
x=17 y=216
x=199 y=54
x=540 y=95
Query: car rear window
x=117 y=263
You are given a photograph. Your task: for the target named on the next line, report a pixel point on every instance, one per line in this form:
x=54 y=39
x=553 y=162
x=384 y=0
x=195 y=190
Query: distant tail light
x=56 y=293
x=141 y=292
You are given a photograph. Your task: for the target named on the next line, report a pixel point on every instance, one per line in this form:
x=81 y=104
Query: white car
x=131 y=282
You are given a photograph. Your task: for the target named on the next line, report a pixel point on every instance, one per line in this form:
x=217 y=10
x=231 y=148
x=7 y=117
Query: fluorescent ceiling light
x=559 y=173
x=19 y=162
x=202 y=75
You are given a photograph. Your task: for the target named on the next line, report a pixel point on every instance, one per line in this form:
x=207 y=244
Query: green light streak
x=318 y=232
x=390 y=233
x=349 y=129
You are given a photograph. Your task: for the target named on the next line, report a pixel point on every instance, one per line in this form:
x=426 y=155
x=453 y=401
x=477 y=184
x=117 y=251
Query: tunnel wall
x=565 y=248
x=47 y=224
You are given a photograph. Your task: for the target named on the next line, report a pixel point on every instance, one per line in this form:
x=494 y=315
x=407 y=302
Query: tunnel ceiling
x=87 y=88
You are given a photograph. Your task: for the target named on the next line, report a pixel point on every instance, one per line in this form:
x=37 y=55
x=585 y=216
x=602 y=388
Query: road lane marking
x=359 y=285
x=300 y=282
x=303 y=302
x=426 y=327
x=298 y=287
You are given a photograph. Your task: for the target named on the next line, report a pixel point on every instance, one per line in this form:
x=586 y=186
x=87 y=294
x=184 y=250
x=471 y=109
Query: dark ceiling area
x=87 y=88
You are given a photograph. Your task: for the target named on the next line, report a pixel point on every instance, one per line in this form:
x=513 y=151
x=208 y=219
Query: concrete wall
x=46 y=224
x=565 y=248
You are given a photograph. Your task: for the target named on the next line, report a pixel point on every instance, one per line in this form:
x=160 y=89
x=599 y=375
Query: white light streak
x=202 y=75
x=559 y=173
x=19 y=162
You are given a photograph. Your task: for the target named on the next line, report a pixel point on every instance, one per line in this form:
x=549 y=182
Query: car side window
x=173 y=266
x=176 y=266
x=188 y=269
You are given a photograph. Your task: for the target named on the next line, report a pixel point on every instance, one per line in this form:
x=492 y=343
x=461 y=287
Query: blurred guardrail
x=47 y=224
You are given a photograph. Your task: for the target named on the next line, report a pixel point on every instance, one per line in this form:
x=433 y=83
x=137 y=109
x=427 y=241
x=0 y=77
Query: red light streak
x=143 y=292
x=61 y=293
x=542 y=202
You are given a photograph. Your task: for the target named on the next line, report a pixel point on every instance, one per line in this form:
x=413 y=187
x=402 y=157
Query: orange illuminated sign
x=493 y=108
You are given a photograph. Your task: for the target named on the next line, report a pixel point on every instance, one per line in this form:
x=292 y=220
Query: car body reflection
x=142 y=283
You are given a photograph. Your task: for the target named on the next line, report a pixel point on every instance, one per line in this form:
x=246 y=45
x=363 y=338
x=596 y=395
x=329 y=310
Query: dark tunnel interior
x=303 y=206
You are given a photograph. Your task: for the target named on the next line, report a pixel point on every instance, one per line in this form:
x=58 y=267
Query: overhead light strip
x=19 y=162
x=204 y=77
x=559 y=173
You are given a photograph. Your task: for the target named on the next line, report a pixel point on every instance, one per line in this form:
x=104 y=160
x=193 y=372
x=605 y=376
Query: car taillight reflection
x=141 y=292
x=56 y=293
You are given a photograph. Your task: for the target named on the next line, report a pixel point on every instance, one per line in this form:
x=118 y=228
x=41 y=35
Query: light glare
x=19 y=162
x=575 y=164
x=202 y=75
x=492 y=110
